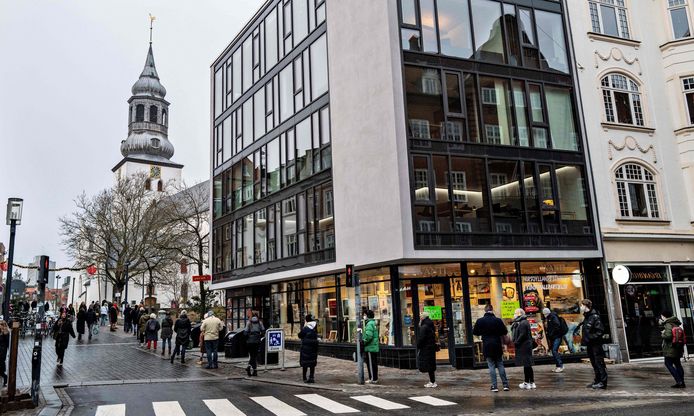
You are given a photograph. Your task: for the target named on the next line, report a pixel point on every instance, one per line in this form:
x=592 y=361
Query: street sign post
x=38 y=338
x=274 y=342
x=357 y=306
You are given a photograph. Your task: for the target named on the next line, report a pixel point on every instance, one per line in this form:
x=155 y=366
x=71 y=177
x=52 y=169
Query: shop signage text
x=434 y=312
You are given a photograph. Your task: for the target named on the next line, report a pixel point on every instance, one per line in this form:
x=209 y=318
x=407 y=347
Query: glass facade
x=496 y=160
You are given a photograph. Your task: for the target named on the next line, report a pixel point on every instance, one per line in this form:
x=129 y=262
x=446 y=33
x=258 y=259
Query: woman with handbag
x=523 y=340
x=426 y=349
x=182 y=329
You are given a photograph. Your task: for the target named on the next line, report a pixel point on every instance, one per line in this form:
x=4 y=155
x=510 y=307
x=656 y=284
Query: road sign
x=275 y=340
x=202 y=278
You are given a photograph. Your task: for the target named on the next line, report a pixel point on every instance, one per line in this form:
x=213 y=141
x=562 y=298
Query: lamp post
x=14 y=218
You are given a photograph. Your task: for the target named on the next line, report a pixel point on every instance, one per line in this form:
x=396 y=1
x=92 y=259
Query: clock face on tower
x=154 y=172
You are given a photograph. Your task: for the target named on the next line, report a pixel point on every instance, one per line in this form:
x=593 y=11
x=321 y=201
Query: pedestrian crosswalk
x=300 y=405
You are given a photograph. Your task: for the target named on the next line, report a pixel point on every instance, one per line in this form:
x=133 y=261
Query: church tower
x=147 y=148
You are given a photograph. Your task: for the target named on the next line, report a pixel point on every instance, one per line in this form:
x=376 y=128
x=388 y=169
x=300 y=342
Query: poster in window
x=383 y=306
x=332 y=308
x=296 y=313
x=373 y=305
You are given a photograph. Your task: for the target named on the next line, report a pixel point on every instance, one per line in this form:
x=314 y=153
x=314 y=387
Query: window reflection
x=424 y=102
x=469 y=185
x=550 y=36
x=496 y=110
x=572 y=199
x=454 y=28
x=506 y=196
x=489 y=37
x=561 y=118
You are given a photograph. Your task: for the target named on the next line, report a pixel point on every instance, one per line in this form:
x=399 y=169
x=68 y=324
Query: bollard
x=12 y=375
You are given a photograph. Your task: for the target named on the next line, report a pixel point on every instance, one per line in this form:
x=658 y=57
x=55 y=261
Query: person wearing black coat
x=308 y=357
x=62 y=331
x=127 y=319
x=182 y=328
x=554 y=337
x=90 y=319
x=135 y=319
x=523 y=341
x=426 y=349
x=4 y=346
x=592 y=333
x=81 y=319
x=492 y=329
x=113 y=316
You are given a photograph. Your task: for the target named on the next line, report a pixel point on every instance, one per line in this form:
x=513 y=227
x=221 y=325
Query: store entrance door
x=685 y=304
x=434 y=297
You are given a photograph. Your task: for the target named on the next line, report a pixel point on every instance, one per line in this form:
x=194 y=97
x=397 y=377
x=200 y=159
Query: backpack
x=679 y=338
x=254 y=334
x=152 y=325
x=563 y=327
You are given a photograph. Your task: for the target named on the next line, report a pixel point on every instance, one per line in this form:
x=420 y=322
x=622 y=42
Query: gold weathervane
x=151 y=23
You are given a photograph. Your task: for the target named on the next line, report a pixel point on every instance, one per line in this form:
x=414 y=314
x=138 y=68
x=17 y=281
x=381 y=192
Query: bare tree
x=118 y=226
x=186 y=216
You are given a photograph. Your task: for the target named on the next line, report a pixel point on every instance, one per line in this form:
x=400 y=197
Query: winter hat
x=308 y=318
x=423 y=315
x=153 y=316
x=546 y=311
x=184 y=313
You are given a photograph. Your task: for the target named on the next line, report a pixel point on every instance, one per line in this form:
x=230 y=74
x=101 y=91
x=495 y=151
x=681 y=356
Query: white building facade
x=636 y=75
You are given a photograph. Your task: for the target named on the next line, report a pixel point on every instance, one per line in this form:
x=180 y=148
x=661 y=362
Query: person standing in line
x=142 y=321
x=127 y=319
x=592 y=331
x=523 y=341
x=4 y=347
x=182 y=329
x=135 y=321
x=166 y=333
x=673 y=351
x=210 y=329
x=371 y=347
x=71 y=313
x=555 y=333
x=426 y=349
x=104 y=314
x=62 y=331
x=81 y=320
x=90 y=318
x=308 y=354
x=254 y=333
x=492 y=330
x=152 y=331
x=113 y=316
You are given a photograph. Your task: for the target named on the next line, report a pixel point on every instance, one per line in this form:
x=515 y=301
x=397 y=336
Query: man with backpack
x=555 y=328
x=254 y=333
x=592 y=339
x=674 y=340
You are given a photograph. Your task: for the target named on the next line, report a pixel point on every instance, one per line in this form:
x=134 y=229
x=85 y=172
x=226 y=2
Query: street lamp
x=14 y=218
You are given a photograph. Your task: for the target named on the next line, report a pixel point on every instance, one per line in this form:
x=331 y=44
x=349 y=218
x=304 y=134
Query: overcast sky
x=66 y=69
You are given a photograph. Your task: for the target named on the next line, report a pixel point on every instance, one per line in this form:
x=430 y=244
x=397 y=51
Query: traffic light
x=349 y=275
x=43 y=270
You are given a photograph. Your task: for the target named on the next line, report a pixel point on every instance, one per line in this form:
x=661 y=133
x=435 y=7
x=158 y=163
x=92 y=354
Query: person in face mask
x=371 y=347
x=673 y=351
x=523 y=340
x=592 y=338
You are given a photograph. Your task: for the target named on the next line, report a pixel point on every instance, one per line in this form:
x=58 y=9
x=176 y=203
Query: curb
x=292 y=384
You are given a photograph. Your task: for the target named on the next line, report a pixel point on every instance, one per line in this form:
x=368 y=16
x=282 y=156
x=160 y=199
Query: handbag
x=506 y=340
x=95 y=330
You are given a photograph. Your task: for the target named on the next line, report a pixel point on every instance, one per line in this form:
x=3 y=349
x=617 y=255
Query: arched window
x=164 y=119
x=148 y=185
x=160 y=186
x=130 y=115
x=153 y=113
x=637 y=191
x=140 y=113
x=622 y=100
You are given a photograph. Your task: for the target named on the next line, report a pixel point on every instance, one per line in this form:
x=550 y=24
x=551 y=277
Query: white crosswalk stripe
x=111 y=410
x=433 y=401
x=380 y=403
x=324 y=403
x=167 y=409
x=277 y=407
x=223 y=407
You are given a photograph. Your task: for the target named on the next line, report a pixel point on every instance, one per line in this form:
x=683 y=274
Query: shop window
x=560 y=113
x=622 y=100
x=322 y=305
x=287 y=303
x=376 y=295
x=609 y=17
x=679 y=17
x=636 y=191
x=688 y=89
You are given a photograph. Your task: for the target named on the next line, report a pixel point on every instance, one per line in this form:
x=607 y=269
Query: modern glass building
x=435 y=144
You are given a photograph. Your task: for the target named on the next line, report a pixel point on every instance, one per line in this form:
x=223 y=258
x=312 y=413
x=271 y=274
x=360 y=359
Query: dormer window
x=156 y=143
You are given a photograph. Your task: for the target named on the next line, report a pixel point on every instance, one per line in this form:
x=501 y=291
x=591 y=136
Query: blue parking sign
x=275 y=340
